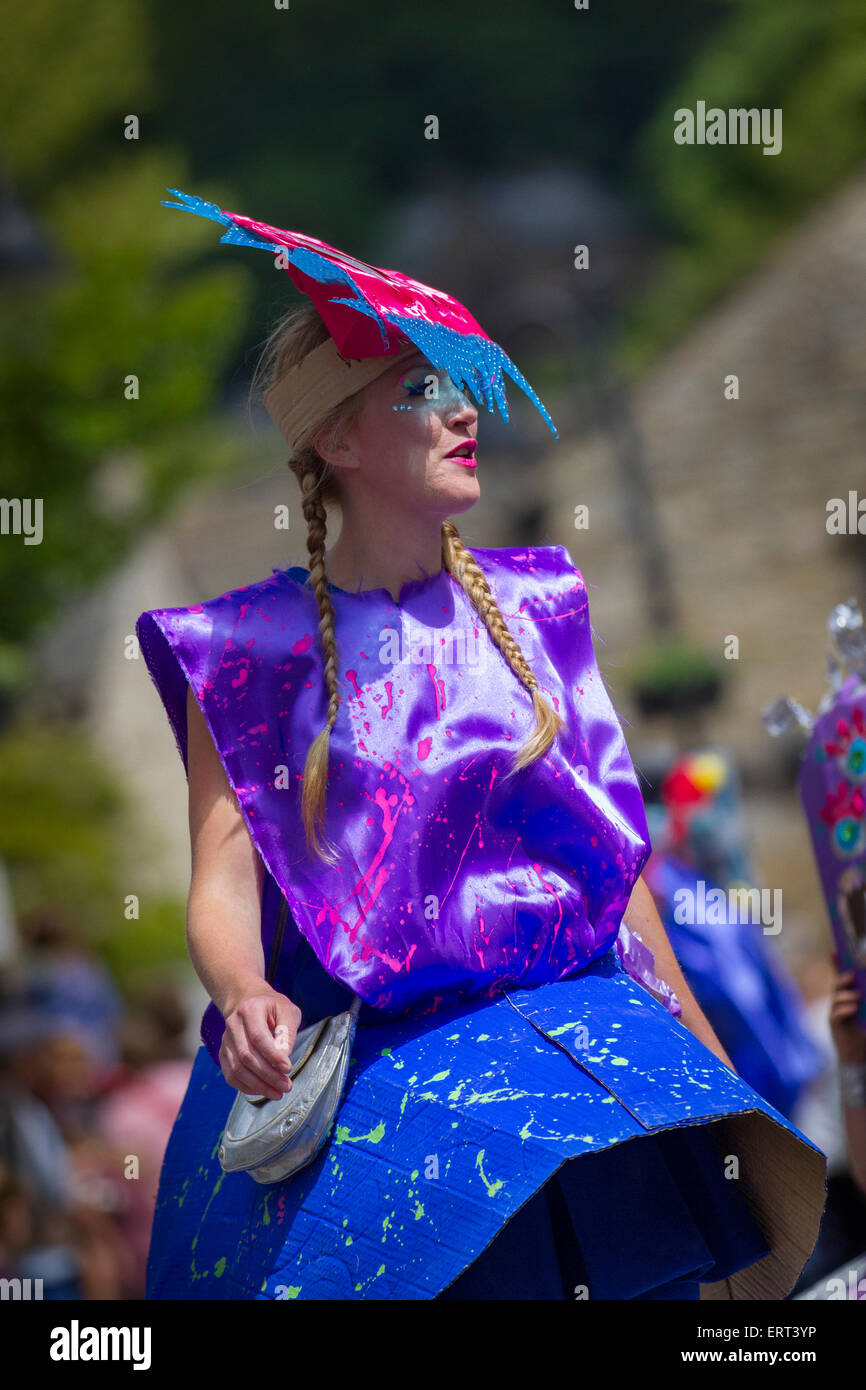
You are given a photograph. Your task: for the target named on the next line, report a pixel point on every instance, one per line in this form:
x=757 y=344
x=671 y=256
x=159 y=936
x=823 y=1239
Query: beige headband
x=308 y=392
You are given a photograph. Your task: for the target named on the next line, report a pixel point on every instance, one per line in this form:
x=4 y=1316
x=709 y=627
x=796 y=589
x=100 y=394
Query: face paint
x=423 y=388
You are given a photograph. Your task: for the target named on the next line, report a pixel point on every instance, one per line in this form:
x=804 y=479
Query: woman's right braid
x=313 y=792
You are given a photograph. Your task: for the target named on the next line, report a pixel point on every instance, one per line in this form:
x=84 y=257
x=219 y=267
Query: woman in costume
x=430 y=773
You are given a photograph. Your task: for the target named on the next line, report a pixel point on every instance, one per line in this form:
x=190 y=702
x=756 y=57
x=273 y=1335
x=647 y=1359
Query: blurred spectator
x=37 y=1161
x=65 y=982
x=136 y=1116
x=837 y=1268
x=81 y=1142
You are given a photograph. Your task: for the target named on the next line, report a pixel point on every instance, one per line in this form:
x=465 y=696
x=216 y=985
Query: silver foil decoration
x=783 y=714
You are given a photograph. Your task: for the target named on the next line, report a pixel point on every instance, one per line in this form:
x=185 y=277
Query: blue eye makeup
x=415 y=384
x=444 y=395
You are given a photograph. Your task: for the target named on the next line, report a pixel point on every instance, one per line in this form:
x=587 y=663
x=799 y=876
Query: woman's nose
x=463 y=411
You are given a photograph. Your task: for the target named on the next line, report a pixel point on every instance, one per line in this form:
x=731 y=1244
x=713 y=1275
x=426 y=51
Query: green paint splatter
x=619 y=1061
x=342 y=1135
x=492 y=1187
x=196 y=1274
x=419 y=1211
x=380 y=1270
x=488 y=1097
x=220 y=1267
x=441 y=1075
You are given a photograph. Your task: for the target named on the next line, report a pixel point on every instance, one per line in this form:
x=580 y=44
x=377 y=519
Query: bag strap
x=279 y=933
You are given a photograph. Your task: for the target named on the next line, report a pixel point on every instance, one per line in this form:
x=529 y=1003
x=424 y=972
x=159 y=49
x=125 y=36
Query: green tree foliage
x=64 y=826
x=114 y=299
x=116 y=295
x=722 y=208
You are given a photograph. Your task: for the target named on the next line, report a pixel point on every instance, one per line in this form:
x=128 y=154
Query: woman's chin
x=461 y=493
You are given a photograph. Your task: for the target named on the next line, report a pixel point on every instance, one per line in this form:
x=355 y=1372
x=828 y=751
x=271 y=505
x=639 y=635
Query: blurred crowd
x=90 y=1085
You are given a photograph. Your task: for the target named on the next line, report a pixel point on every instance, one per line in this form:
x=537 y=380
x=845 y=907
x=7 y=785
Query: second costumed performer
x=410 y=744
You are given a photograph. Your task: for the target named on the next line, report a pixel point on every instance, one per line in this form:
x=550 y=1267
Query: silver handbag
x=273 y=1139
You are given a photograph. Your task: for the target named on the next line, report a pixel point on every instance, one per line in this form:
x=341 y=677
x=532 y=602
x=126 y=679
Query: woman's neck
x=383 y=561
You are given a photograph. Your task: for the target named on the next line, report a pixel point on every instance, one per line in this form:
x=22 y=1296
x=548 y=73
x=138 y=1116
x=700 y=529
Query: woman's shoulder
x=262 y=597
x=225 y=648
x=242 y=630
x=532 y=573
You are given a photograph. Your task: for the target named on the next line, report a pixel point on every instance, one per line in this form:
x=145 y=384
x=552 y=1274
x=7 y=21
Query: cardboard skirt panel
x=568 y=1141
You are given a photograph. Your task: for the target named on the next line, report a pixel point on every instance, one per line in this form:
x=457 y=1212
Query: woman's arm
x=642 y=917
x=224 y=925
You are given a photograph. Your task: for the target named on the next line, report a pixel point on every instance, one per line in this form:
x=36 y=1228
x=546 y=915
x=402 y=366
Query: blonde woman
x=410 y=744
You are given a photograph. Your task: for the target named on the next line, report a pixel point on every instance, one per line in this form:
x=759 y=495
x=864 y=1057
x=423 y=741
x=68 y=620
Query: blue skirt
x=569 y=1141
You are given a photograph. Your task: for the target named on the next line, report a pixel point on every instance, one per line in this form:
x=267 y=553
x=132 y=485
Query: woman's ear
x=339 y=452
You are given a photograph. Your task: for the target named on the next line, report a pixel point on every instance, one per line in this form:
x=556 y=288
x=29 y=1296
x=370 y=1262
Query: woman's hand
x=260 y=1033
x=848 y=1036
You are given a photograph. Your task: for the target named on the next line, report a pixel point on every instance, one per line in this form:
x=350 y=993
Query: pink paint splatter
x=439 y=688
x=552 y=887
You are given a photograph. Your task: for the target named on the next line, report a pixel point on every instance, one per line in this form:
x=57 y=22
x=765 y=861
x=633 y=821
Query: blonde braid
x=315 y=781
x=463 y=566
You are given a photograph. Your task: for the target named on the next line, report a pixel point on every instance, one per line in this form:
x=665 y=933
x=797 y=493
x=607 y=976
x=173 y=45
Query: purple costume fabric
x=503 y=1052
x=455 y=880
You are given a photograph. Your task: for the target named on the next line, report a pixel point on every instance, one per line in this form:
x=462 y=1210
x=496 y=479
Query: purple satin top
x=455 y=880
